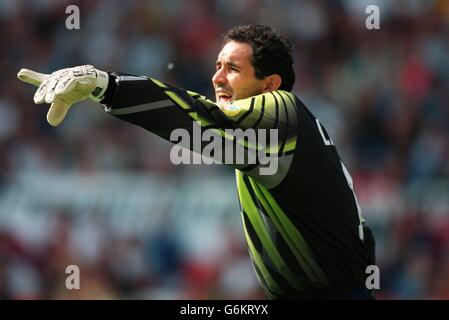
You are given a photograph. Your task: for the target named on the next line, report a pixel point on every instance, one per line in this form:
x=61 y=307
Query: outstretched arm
x=162 y=109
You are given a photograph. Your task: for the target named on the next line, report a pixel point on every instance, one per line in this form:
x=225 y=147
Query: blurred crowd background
x=103 y=195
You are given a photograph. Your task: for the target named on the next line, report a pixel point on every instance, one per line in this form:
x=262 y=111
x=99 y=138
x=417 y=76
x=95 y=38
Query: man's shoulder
x=276 y=96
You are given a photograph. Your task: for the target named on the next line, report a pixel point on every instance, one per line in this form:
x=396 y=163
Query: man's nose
x=219 y=77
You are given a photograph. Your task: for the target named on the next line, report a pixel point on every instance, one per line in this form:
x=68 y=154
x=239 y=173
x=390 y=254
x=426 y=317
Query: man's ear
x=272 y=82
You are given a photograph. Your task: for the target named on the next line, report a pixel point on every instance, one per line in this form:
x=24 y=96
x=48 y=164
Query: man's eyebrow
x=233 y=64
x=229 y=63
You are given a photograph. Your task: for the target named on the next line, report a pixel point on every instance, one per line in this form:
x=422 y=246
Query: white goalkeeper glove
x=65 y=87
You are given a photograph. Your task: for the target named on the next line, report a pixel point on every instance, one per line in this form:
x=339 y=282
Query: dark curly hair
x=272 y=53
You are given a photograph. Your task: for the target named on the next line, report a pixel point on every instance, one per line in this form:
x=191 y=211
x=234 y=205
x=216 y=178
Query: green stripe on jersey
x=291 y=235
x=256 y=221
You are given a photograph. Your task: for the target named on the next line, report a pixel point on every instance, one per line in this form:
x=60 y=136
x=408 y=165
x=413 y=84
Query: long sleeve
x=165 y=110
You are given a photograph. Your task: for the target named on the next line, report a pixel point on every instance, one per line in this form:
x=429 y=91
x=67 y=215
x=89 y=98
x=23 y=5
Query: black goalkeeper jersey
x=303 y=225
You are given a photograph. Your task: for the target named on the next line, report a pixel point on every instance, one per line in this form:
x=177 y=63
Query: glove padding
x=65 y=87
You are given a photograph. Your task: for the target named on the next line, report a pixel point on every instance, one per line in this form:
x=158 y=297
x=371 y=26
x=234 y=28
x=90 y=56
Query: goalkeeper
x=303 y=226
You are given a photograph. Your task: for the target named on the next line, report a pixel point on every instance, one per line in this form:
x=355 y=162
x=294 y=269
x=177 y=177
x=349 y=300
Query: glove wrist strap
x=101 y=86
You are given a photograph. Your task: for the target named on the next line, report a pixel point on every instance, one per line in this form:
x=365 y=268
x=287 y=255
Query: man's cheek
x=243 y=93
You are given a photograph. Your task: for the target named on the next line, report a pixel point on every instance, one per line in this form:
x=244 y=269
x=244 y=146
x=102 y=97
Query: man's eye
x=234 y=69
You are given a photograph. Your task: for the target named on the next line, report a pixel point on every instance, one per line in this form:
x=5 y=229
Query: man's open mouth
x=224 y=97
